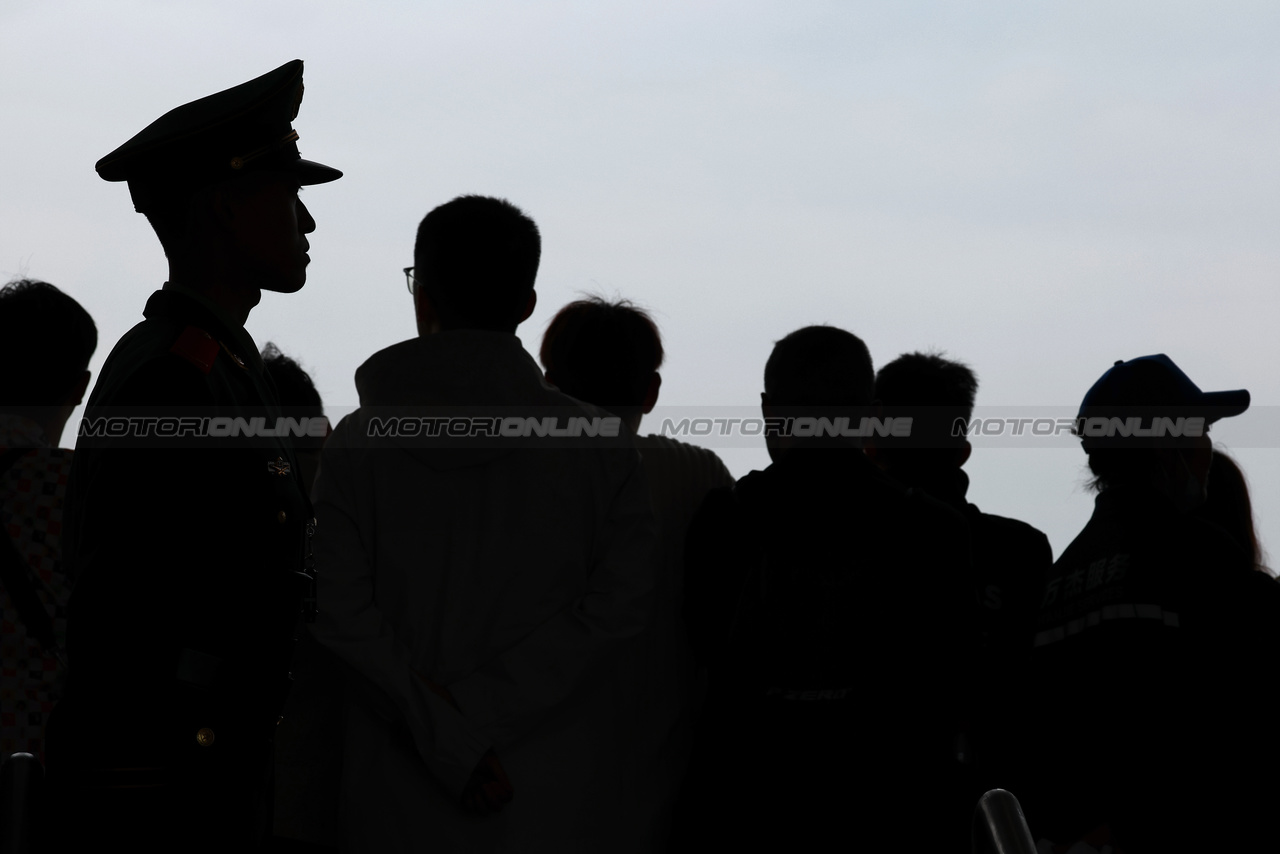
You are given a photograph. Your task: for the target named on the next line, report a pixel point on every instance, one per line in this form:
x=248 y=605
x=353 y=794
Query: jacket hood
x=469 y=373
x=460 y=368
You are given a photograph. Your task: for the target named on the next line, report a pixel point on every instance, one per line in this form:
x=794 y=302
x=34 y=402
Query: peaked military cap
x=238 y=130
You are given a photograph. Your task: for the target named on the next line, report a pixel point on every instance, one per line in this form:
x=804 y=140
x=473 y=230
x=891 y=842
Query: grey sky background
x=1037 y=189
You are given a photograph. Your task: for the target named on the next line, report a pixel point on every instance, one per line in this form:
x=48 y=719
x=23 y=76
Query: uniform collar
x=181 y=303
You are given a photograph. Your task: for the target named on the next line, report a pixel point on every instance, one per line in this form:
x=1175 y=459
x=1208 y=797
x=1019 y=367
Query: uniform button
x=279 y=719
x=204 y=737
x=281 y=517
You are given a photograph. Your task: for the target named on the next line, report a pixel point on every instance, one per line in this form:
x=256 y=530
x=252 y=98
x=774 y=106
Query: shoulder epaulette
x=197 y=347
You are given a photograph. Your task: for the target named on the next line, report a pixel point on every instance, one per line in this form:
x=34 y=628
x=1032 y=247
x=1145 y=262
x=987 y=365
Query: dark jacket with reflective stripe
x=1151 y=673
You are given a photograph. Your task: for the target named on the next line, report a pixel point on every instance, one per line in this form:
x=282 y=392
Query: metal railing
x=21 y=775
x=999 y=826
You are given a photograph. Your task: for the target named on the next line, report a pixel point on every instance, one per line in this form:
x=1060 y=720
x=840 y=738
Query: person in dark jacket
x=46 y=340
x=1009 y=557
x=308 y=740
x=830 y=605
x=187 y=523
x=1154 y=633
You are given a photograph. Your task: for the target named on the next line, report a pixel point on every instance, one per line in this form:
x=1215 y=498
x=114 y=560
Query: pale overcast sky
x=1038 y=189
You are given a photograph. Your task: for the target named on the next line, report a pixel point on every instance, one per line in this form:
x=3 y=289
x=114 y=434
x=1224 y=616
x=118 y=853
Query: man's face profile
x=269 y=225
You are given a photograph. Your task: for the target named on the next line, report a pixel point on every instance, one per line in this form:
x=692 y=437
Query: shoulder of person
x=1022 y=535
x=719 y=507
x=934 y=510
x=160 y=378
x=695 y=455
x=159 y=361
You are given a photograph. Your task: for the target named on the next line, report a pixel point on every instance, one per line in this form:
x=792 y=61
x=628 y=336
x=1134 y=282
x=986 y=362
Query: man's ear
x=766 y=408
x=651 y=395
x=222 y=203
x=424 y=312
x=962 y=455
x=529 y=307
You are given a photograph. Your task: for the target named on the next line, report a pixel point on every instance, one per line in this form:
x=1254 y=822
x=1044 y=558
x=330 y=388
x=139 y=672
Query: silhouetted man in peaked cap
x=188 y=525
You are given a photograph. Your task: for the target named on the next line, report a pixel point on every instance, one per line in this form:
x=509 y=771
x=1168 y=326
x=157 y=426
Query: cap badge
x=278 y=466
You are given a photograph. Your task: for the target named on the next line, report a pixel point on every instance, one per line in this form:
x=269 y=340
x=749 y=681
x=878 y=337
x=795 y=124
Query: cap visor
x=1224 y=404
x=309 y=172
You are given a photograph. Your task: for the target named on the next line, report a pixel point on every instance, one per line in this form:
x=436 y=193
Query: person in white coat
x=483 y=592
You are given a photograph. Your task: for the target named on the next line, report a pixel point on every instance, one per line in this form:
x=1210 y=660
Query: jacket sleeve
x=510 y=695
x=350 y=623
x=716 y=558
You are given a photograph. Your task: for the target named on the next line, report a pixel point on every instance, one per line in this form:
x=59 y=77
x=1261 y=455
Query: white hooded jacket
x=514 y=576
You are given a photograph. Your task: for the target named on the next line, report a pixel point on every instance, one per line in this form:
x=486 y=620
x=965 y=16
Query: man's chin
x=285 y=287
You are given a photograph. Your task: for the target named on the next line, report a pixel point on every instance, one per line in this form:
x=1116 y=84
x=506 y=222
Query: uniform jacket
x=514 y=576
x=184 y=550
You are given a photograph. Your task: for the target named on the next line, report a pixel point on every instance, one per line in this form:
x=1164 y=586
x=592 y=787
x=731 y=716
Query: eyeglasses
x=409 y=279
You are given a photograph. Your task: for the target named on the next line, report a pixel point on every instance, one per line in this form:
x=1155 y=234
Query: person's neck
x=236 y=300
x=797 y=448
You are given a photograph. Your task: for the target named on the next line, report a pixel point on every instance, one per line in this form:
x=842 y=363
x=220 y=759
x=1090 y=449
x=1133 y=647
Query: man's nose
x=306 y=224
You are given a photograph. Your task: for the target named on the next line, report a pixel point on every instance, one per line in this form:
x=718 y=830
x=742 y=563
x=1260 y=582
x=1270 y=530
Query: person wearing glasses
x=484 y=584
x=187 y=525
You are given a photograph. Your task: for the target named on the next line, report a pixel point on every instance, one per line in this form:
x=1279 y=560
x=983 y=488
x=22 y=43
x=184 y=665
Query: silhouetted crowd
x=485 y=612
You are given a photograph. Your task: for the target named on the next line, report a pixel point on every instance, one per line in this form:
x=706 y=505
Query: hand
x=488 y=790
x=438 y=690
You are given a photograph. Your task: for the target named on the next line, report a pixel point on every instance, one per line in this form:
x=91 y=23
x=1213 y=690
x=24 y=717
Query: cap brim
x=309 y=172
x=1224 y=404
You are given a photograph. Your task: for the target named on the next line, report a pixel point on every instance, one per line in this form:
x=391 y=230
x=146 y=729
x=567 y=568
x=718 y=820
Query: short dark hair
x=298 y=394
x=293 y=384
x=933 y=391
x=602 y=352
x=478 y=257
x=46 y=341
x=820 y=366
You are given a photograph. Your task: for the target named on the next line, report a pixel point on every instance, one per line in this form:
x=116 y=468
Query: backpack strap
x=15 y=575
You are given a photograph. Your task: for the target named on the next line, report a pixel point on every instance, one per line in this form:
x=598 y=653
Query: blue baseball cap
x=1151 y=387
